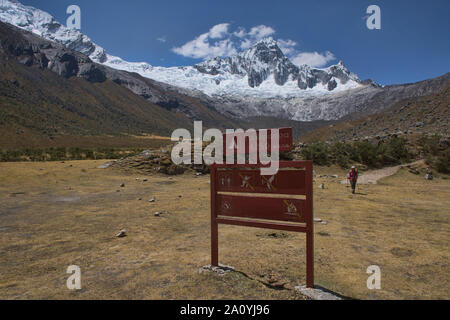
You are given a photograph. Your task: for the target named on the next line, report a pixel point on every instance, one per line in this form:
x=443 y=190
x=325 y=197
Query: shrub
x=366 y=153
x=317 y=152
x=392 y=151
x=443 y=162
x=61 y=153
x=342 y=161
x=429 y=144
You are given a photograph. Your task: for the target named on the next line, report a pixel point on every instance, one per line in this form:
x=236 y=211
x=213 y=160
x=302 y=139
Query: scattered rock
x=317 y=220
x=316 y=293
x=324 y=223
x=429 y=176
x=220 y=269
x=104 y=166
x=122 y=233
x=322 y=186
x=156 y=161
x=157 y=214
x=277 y=235
x=444 y=142
x=401 y=252
x=122 y=185
x=145 y=180
x=152 y=199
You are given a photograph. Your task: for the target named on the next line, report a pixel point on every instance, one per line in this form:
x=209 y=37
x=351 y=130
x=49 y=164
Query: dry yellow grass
x=53 y=215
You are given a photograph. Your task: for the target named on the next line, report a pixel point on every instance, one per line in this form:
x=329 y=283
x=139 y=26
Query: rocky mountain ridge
x=259 y=82
x=265 y=59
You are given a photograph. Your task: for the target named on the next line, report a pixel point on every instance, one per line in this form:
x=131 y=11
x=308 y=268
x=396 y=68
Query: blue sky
x=412 y=45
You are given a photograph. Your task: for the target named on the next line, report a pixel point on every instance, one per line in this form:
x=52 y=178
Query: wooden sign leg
x=310 y=230
x=214 y=244
x=310 y=258
x=214 y=225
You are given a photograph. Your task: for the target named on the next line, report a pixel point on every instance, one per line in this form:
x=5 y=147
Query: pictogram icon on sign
x=269 y=182
x=246 y=182
x=291 y=208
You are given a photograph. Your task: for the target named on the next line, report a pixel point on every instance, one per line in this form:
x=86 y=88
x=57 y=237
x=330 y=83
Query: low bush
x=391 y=152
x=65 y=154
x=436 y=156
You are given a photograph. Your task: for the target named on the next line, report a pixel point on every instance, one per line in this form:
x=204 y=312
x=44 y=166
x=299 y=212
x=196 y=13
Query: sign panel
x=280 y=209
x=241 y=196
x=284 y=182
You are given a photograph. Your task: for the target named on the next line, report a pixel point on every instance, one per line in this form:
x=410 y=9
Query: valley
x=63 y=214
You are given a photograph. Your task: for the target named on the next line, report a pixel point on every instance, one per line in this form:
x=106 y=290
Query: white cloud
x=162 y=39
x=200 y=48
x=219 y=41
x=219 y=31
x=241 y=33
x=313 y=59
x=245 y=44
x=287 y=46
x=203 y=48
x=260 y=32
x=207 y=45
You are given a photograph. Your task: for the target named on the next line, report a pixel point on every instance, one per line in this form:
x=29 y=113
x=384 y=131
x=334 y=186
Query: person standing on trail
x=353 y=177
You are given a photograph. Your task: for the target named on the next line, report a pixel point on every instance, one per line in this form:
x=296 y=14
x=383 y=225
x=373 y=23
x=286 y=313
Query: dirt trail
x=372 y=176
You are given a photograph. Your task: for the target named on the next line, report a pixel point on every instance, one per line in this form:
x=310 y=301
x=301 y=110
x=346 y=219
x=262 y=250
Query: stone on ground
x=122 y=233
x=220 y=269
x=316 y=294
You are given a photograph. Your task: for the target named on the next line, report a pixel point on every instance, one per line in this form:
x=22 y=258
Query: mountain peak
x=264 y=46
x=268 y=41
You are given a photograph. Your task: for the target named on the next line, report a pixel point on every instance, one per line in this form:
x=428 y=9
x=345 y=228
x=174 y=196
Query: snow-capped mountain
x=265 y=60
x=262 y=71
x=44 y=25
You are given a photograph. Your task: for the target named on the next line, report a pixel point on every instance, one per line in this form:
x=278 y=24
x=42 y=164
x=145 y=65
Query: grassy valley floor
x=53 y=215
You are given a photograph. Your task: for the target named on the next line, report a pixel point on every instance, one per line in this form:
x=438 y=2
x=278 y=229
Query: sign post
x=241 y=196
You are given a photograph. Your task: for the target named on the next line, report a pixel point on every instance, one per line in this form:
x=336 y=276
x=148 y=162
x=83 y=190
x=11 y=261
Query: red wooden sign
x=284 y=143
x=241 y=196
x=245 y=180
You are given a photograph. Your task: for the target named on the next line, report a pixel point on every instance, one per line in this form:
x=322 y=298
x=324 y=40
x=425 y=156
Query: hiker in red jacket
x=353 y=177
